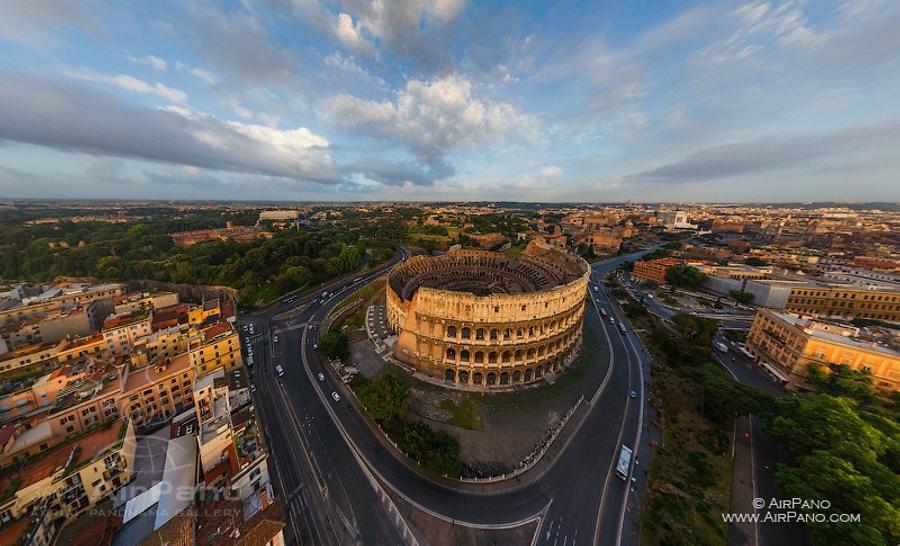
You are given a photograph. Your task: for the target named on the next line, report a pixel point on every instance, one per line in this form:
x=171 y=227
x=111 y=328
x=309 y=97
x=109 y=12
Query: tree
x=685 y=276
x=384 y=398
x=741 y=296
x=754 y=261
x=842 y=380
x=334 y=344
x=843 y=454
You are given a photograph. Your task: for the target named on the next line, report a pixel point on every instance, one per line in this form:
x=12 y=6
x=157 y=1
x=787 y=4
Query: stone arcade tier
x=487 y=320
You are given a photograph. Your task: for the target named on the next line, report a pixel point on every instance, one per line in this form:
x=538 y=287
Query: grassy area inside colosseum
x=496 y=430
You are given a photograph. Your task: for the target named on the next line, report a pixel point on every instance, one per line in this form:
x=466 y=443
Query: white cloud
x=430 y=118
x=199 y=73
x=154 y=62
x=129 y=83
x=551 y=171
x=101 y=124
x=350 y=34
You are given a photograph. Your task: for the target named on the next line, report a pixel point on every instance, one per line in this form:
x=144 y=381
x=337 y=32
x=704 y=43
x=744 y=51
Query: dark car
x=632 y=393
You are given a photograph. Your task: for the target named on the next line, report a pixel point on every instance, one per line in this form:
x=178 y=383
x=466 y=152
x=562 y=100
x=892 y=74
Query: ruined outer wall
x=490 y=341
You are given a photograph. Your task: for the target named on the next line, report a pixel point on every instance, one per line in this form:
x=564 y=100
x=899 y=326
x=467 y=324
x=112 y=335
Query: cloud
x=350 y=35
x=411 y=29
x=154 y=62
x=68 y=117
x=129 y=83
x=400 y=174
x=36 y=23
x=241 y=50
x=198 y=73
x=431 y=118
x=770 y=154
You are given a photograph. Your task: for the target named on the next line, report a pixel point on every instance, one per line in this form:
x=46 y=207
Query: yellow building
x=70 y=479
x=218 y=347
x=78 y=349
x=158 y=391
x=787 y=344
x=199 y=314
x=845 y=302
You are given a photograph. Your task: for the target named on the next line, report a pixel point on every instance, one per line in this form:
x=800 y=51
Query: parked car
x=321 y=376
x=336 y=396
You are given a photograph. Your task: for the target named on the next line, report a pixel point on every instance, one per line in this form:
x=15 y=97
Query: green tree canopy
x=334 y=344
x=685 y=276
x=741 y=296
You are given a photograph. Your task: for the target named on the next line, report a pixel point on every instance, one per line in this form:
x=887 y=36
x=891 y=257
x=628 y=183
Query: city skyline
x=447 y=100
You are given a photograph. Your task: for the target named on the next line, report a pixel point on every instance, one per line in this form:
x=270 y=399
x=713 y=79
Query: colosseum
x=481 y=319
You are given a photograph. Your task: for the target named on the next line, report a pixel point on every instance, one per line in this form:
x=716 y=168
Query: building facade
x=483 y=319
x=789 y=344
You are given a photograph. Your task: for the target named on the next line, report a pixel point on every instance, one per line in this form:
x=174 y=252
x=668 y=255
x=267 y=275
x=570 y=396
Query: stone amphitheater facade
x=485 y=320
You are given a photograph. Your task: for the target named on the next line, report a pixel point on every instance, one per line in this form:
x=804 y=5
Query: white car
x=321 y=376
x=315 y=346
x=336 y=396
x=280 y=370
x=275 y=339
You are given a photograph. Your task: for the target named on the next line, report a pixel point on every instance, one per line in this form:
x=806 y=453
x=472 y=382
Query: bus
x=624 y=464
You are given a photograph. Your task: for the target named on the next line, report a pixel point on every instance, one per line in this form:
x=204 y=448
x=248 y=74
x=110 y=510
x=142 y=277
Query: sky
x=451 y=100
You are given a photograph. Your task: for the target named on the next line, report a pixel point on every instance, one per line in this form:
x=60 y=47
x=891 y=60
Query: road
x=755 y=459
x=728 y=319
x=579 y=500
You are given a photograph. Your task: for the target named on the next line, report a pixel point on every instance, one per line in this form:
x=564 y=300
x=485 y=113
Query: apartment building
x=121 y=332
x=67 y=481
x=654 y=270
x=157 y=392
x=144 y=301
x=60 y=298
x=219 y=346
x=42 y=355
x=787 y=344
x=845 y=301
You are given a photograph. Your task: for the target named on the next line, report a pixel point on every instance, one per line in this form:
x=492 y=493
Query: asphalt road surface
x=332 y=468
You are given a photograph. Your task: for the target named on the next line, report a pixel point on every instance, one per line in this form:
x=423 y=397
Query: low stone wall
x=187 y=292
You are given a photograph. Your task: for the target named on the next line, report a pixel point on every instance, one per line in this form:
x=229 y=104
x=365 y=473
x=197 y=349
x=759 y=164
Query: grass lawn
x=515 y=250
x=463 y=414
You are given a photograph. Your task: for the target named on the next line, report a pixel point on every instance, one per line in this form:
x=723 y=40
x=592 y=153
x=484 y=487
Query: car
x=275 y=339
x=279 y=370
x=315 y=346
x=335 y=396
x=252 y=388
x=321 y=376
x=632 y=393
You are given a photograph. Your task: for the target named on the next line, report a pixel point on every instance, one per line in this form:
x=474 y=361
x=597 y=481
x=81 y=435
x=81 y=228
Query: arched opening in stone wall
x=449 y=375
x=476 y=378
x=451 y=331
x=539 y=372
x=479 y=333
x=517 y=376
x=492 y=357
x=506 y=357
x=479 y=357
x=492 y=378
x=464 y=377
x=504 y=378
x=529 y=374
x=464 y=356
x=451 y=354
